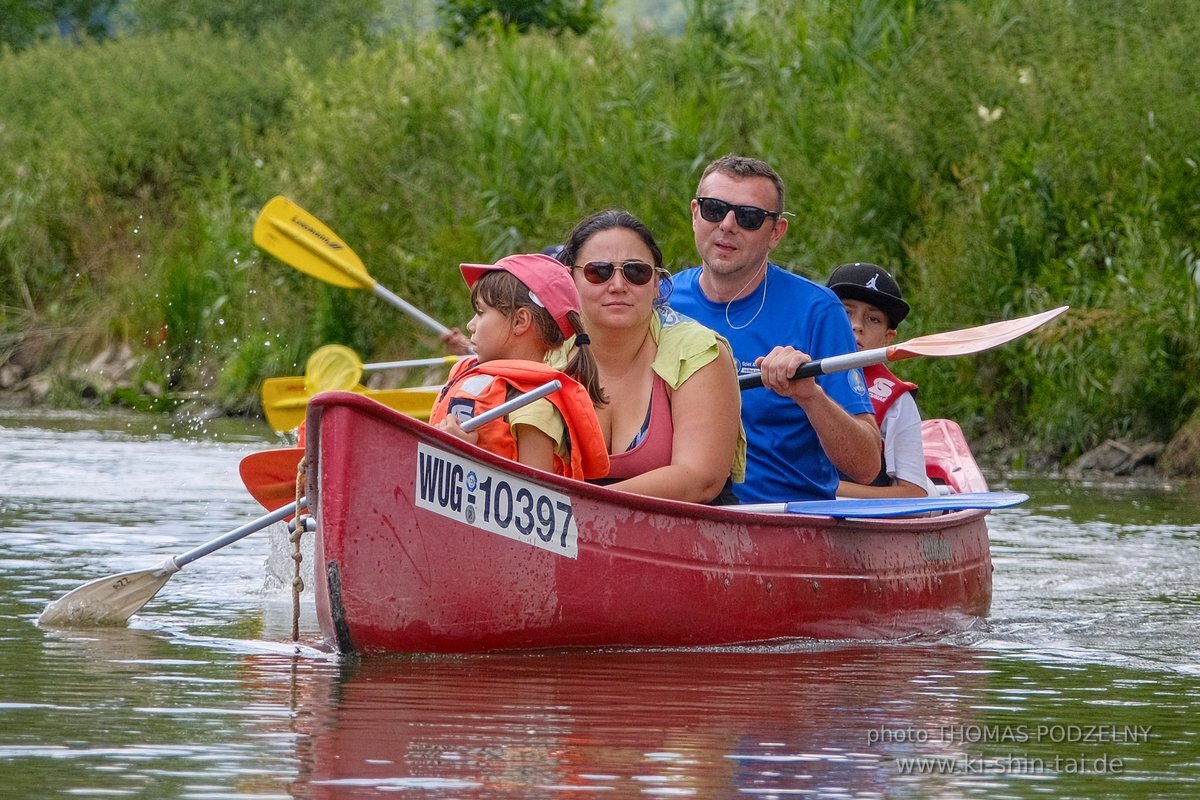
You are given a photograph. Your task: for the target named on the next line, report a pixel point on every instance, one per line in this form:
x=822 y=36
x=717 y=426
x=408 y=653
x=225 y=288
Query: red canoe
x=427 y=544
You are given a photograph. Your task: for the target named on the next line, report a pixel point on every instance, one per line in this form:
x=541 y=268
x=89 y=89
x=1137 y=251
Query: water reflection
x=709 y=724
x=1092 y=623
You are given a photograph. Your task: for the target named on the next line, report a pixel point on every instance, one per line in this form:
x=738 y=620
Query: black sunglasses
x=749 y=217
x=638 y=273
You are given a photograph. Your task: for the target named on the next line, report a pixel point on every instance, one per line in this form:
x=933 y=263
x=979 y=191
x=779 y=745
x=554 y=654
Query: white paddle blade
x=971 y=340
x=107 y=601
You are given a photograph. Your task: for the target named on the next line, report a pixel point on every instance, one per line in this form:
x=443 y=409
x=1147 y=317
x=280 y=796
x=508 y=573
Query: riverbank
x=108 y=378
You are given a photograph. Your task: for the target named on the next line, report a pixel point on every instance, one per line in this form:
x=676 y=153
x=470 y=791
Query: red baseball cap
x=548 y=280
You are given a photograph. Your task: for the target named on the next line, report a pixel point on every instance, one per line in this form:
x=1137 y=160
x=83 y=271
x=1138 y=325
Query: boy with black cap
x=876 y=308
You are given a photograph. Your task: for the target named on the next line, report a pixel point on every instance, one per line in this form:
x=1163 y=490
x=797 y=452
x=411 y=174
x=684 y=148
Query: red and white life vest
x=884 y=388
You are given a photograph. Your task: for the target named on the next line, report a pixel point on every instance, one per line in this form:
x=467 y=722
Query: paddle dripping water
x=1090 y=642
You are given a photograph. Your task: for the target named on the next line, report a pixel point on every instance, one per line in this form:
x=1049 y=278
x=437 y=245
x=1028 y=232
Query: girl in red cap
x=525 y=306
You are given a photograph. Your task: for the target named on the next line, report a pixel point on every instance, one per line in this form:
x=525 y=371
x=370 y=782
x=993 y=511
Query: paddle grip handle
x=824 y=366
x=752 y=380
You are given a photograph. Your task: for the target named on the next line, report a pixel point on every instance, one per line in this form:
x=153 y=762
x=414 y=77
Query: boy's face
x=871 y=326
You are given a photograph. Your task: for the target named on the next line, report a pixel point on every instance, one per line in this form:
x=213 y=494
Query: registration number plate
x=496 y=502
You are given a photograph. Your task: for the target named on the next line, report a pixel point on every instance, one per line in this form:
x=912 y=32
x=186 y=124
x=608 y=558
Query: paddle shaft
x=234 y=535
x=410 y=309
x=512 y=405
x=951 y=343
x=436 y=361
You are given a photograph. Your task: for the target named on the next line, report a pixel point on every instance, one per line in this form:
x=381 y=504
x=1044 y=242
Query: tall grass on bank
x=1001 y=157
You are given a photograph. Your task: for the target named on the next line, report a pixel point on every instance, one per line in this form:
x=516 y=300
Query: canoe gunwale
x=635 y=502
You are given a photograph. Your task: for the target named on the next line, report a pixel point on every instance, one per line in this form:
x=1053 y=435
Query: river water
x=1083 y=682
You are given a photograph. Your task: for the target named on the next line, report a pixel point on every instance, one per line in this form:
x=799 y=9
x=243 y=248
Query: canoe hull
x=408 y=564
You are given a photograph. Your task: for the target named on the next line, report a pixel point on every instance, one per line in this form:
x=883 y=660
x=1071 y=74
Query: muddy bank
x=33 y=375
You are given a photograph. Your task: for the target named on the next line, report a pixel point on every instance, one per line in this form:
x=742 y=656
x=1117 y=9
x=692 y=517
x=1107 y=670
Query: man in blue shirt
x=800 y=432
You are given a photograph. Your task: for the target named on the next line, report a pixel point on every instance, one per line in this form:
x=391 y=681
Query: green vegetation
x=1001 y=156
x=464 y=19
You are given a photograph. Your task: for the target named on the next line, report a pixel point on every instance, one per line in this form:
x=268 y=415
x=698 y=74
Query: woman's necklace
x=761 y=303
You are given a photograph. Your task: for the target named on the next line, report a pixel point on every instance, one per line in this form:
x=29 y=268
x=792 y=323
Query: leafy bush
x=462 y=19
x=1000 y=157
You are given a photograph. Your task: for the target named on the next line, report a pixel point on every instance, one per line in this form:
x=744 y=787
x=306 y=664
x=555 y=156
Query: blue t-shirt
x=784 y=460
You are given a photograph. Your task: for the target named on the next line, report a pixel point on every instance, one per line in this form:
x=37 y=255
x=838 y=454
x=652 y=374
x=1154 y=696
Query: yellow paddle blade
x=285 y=401
x=333 y=367
x=416 y=401
x=295 y=237
x=107 y=601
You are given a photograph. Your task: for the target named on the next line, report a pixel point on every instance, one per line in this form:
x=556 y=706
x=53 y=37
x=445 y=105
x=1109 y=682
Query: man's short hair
x=745 y=167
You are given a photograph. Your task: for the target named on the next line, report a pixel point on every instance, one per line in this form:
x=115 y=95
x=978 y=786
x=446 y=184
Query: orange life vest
x=585 y=441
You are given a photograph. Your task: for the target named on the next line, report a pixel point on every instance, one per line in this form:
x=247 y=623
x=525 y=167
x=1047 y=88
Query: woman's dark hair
x=506 y=293
x=604 y=221
x=609 y=219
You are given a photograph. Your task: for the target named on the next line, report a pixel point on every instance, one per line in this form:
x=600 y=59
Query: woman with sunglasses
x=672 y=421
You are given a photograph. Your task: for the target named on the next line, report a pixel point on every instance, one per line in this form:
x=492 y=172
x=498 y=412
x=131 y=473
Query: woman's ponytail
x=582 y=366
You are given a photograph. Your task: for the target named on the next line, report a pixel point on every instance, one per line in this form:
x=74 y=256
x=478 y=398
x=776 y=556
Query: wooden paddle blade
x=971 y=340
x=270 y=475
x=111 y=600
x=297 y=238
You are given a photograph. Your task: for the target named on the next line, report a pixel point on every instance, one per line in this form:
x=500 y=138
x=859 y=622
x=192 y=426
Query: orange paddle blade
x=270 y=476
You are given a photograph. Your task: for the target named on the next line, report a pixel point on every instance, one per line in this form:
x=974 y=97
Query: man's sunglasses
x=638 y=273
x=749 y=217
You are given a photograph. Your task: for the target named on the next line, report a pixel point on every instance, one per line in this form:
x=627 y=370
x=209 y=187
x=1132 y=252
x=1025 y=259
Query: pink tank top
x=654 y=450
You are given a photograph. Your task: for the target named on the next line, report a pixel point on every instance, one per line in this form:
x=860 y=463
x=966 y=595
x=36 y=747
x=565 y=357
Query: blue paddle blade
x=904 y=506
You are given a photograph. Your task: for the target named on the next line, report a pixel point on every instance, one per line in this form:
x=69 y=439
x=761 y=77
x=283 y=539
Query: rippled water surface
x=1083 y=682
